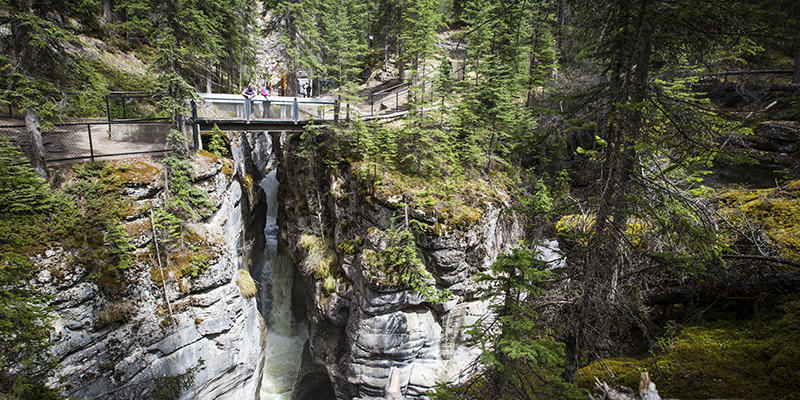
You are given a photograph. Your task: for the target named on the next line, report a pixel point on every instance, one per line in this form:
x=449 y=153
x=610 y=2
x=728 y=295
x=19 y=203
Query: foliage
x=321 y=261
x=171 y=387
x=761 y=222
x=185 y=252
x=219 y=144
x=400 y=264
x=524 y=363
x=186 y=201
x=20 y=387
x=247 y=285
x=114 y=312
x=24 y=330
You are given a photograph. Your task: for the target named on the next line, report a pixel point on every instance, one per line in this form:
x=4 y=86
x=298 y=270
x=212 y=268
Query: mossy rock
x=776 y=211
x=139 y=173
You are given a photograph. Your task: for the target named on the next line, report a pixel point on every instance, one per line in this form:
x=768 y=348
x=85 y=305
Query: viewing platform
x=269 y=113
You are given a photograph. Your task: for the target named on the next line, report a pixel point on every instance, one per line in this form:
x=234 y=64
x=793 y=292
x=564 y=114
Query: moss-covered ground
x=754 y=358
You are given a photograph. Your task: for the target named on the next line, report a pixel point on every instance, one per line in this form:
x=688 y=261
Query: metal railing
x=385 y=95
x=235 y=107
x=90 y=141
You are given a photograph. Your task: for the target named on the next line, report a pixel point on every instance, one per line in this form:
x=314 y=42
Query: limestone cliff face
x=120 y=356
x=374 y=341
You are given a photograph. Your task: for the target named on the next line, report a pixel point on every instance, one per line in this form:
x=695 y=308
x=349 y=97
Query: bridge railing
x=235 y=107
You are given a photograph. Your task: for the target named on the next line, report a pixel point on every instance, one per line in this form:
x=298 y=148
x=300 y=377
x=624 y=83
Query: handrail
x=238 y=98
x=295 y=102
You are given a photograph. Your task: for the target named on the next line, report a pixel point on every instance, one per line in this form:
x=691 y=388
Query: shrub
x=247 y=285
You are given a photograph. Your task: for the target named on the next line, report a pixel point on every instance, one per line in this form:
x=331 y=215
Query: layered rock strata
x=373 y=341
x=163 y=330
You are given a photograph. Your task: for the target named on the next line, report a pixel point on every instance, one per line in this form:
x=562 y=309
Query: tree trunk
x=108 y=16
x=36 y=146
x=208 y=76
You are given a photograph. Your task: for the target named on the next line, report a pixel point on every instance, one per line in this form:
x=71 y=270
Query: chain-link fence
x=92 y=141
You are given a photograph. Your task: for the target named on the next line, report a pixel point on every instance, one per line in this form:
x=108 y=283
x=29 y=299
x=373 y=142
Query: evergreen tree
x=24 y=330
x=523 y=361
x=296 y=22
x=648 y=129
x=343 y=46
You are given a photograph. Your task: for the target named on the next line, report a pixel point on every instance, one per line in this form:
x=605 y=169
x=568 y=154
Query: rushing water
x=285 y=337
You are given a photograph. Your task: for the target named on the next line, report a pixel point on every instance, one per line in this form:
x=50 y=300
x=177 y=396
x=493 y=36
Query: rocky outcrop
x=118 y=342
x=369 y=340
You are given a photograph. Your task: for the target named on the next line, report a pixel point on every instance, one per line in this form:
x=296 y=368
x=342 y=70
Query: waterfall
x=285 y=337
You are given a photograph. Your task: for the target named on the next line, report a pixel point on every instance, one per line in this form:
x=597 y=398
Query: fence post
x=248 y=109
x=195 y=127
x=371 y=105
x=348 y=113
x=396 y=101
x=296 y=111
x=91 y=148
x=108 y=112
x=124 y=114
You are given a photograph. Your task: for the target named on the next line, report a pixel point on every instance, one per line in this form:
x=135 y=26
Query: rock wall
x=368 y=341
x=122 y=359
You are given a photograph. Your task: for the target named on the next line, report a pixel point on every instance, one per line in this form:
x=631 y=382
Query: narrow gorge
x=359 y=338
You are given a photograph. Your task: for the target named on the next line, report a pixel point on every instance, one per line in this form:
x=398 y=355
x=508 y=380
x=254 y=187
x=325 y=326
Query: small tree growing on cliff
x=400 y=257
x=523 y=360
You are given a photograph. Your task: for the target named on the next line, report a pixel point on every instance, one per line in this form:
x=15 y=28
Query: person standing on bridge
x=266 y=91
x=249 y=92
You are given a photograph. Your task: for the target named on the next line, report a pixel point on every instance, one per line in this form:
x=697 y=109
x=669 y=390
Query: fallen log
x=710 y=291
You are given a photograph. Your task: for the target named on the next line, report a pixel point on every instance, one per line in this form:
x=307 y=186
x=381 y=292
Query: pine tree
x=343 y=46
x=523 y=361
x=24 y=333
x=648 y=128
x=296 y=22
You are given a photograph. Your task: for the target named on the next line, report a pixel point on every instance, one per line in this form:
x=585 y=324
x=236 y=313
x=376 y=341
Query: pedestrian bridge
x=265 y=113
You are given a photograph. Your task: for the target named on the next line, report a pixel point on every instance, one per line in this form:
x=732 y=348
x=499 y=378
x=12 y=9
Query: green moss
x=455 y=201
x=377 y=272
x=752 y=359
x=138 y=173
x=775 y=211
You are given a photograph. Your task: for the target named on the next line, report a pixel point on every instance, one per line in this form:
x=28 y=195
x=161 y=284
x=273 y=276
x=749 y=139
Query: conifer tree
x=296 y=22
x=522 y=359
x=648 y=129
x=343 y=46
x=24 y=333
